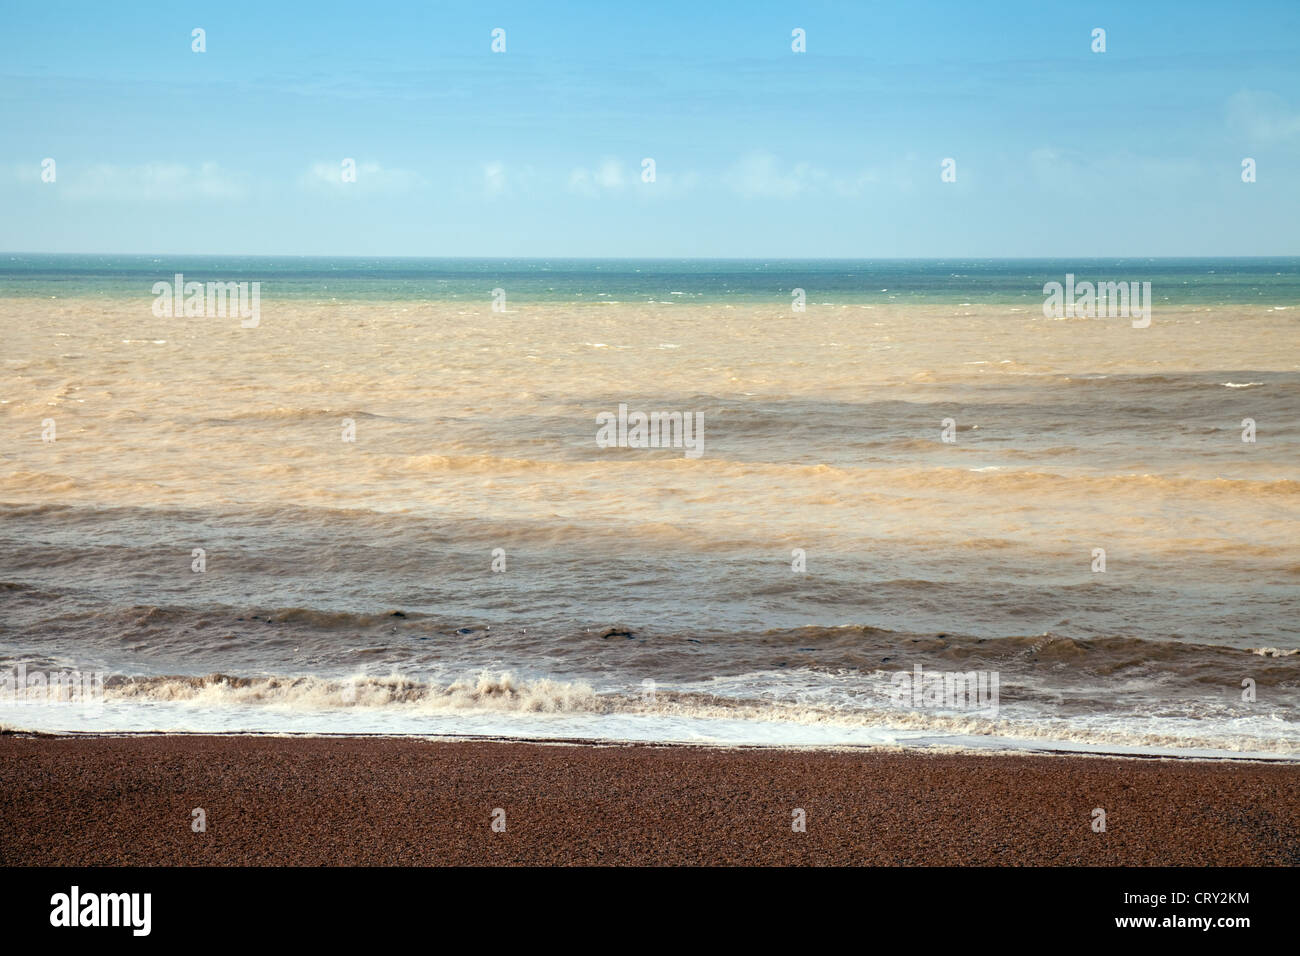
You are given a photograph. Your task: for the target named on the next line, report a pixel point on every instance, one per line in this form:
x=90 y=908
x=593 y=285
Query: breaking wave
x=412 y=707
x=488 y=691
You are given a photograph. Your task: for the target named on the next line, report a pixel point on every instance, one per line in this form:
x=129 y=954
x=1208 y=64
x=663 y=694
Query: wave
x=291 y=414
x=1027 y=482
x=487 y=691
x=502 y=693
x=437 y=629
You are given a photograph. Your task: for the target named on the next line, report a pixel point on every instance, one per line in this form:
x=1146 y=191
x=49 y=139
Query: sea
x=914 y=508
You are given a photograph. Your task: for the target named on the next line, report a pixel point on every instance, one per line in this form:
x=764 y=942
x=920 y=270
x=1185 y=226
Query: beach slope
x=391 y=801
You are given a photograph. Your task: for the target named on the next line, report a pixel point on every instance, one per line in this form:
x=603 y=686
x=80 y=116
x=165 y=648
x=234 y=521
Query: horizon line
x=658 y=258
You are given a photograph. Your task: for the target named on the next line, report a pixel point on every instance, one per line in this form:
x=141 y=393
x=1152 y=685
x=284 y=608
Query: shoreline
x=954 y=750
x=352 y=800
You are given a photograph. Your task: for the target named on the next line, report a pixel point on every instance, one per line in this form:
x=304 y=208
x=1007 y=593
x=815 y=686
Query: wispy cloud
x=609 y=176
x=761 y=175
x=494 y=179
x=370 y=179
x=501 y=179
x=1263 y=117
x=145 y=182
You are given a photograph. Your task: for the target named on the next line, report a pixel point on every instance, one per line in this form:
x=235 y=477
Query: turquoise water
x=1255 y=281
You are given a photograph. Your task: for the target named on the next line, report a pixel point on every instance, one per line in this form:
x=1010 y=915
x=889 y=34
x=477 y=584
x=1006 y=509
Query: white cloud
x=669 y=184
x=371 y=179
x=856 y=183
x=608 y=176
x=1263 y=117
x=494 y=178
x=143 y=183
x=500 y=180
x=762 y=176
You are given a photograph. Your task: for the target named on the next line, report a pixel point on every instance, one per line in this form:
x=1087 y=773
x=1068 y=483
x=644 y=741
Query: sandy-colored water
x=476 y=430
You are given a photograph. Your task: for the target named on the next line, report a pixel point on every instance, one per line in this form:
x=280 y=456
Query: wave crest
x=487 y=691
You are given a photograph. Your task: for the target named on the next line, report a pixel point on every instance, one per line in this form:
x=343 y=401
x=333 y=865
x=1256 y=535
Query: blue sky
x=758 y=151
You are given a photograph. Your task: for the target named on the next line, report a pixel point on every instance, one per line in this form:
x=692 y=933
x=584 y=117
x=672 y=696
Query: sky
x=758 y=151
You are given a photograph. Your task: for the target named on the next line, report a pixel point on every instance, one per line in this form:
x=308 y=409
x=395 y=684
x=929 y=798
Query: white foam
x=175 y=717
x=788 y=708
